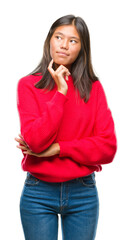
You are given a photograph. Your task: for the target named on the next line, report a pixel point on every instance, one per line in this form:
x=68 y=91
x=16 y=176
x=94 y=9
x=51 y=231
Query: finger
x=22 y=147
x=63 y=67
x=25 y=152
x=50 y=68
x=29 y=153
x=67 y=74
x=66 y=77
x=51 y=63
x=62 y=70
x=20 y=136
x=20 y=141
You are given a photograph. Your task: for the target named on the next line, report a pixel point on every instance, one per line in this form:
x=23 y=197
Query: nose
x=65 y=44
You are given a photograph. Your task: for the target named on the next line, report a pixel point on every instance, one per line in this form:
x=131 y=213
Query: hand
x=58 y=76
x=22 y=143
x=52 y=150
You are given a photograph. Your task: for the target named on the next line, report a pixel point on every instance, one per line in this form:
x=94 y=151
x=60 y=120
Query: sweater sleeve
x=99 y=148
x=38 y=130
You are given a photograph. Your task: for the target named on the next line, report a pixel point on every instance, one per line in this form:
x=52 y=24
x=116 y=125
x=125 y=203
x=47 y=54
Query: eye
x=58 y=37
x=73 y=41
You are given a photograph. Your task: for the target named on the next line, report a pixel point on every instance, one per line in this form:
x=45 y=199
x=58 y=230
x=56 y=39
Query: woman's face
x=65 y=45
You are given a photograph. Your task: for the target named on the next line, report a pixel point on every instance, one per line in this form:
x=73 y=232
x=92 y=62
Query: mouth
x=62 y=54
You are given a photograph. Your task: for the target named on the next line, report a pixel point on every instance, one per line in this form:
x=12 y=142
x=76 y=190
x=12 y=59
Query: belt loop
x=79 y=179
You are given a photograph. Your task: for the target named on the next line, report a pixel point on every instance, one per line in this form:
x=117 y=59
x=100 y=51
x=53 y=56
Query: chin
x=60 y=63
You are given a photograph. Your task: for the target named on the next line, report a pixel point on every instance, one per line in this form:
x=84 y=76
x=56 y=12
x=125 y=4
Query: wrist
x=57 y=148
x=63 y=91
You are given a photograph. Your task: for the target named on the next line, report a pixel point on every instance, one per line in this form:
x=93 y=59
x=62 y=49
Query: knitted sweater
x=84 y=131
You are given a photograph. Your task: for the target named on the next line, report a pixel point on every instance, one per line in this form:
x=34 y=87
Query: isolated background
x=24 y=26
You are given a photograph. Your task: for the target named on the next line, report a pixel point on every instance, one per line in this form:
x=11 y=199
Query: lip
x=62 y=54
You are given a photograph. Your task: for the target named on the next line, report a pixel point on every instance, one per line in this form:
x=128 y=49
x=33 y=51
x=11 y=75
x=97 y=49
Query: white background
x=24 y=26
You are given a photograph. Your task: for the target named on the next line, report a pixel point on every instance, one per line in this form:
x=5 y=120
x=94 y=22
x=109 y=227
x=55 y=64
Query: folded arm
x=99 y=148
x=39 y=130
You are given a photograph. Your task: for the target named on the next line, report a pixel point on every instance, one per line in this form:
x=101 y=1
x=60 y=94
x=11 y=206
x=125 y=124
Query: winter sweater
x=84 y=131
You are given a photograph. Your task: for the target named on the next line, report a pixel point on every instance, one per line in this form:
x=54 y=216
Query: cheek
x=52 y=48
x=51 y=51
x=75 y=53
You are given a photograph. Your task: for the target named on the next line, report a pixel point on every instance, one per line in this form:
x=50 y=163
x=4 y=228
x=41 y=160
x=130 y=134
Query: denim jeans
x=76 y=201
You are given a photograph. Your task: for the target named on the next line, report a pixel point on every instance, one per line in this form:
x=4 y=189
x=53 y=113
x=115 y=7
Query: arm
x=97 y=149
x=52 y=150
x=38 y=130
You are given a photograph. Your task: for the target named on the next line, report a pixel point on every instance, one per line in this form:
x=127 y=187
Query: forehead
x=67 y=30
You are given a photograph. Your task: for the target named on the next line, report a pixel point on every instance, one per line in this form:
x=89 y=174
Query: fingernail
x=17 y=146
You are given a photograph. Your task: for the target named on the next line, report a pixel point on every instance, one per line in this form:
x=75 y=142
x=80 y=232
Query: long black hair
x=81 y=70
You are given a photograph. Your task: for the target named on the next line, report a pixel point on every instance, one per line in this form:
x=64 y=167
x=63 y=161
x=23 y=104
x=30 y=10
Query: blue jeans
x=76 y=201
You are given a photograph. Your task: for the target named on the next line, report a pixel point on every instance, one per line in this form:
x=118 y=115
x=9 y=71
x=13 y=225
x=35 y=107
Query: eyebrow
x=64 y=35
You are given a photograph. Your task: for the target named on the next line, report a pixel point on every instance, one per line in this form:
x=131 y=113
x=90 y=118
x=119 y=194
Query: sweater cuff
x=63 y=148
x=59 y=99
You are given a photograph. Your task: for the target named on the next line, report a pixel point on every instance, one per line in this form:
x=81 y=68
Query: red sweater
x=84 y=131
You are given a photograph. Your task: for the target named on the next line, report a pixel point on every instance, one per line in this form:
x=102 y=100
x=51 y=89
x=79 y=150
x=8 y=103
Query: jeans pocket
x=31 y=180
x=89 y=181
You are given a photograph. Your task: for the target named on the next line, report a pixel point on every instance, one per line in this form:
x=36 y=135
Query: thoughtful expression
x=65 y=45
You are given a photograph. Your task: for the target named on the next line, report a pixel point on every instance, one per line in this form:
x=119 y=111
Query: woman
x=67 y=133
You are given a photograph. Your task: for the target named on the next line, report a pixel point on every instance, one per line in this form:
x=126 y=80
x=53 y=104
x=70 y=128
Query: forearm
x=89 y=151
x=39 y=132
x=54 y=149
